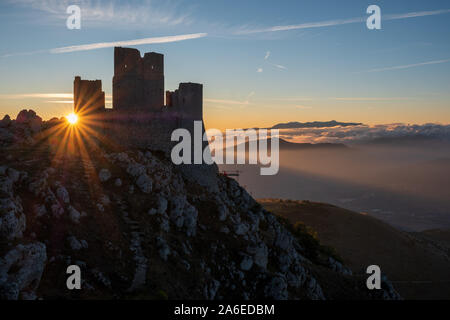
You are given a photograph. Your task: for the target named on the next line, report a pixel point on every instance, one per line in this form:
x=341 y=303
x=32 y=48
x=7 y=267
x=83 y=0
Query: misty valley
x=404 y=185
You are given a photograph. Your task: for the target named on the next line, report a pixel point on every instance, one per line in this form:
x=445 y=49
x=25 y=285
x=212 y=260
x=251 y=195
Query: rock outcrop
x=137 y=226
x=21 y=271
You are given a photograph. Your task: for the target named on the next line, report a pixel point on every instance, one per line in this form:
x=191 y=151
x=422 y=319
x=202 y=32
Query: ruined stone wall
x=138 y=83
x=150 y=130
x=88 y=96
x=187 y=100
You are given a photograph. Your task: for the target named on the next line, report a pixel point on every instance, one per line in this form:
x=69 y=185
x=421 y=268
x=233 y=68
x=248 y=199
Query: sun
x=72 y=118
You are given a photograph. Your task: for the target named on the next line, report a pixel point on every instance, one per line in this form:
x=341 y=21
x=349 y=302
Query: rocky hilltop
x=140 y=227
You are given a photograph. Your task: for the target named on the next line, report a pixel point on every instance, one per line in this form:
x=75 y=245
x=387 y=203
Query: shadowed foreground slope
x=417 y=265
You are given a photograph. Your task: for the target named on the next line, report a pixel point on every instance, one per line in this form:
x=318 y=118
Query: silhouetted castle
x=138 y=83
x=139 y=118
x=88 y=96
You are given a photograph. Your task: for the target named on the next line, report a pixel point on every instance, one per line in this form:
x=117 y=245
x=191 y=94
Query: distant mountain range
x=314 y=124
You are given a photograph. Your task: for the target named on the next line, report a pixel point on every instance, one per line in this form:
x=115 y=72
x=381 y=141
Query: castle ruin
x=139 y=117
x=138 y=83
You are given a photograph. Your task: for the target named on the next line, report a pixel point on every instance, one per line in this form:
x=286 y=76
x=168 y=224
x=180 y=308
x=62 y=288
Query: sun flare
x=72 y=118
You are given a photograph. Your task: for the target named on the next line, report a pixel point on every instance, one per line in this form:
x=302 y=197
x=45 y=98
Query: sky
x=261 y=62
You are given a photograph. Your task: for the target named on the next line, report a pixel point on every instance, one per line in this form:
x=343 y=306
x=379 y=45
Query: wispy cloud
x=414 y=14
x=407 y=66
x=112 y=12
x=17 y=54
x=279 y=66
x=232 y=102
x=303 y=107
x=61 y=98
x=37 y=95
x=60 y=101
x=227 y=104
x=137 y=42
x=295 y=99
x=70 y=101
x=47 y=96
x=266 y=59
x=251 y=94
x=369 y=98
x=101 y=45
x=301 y=26
x=337 y=22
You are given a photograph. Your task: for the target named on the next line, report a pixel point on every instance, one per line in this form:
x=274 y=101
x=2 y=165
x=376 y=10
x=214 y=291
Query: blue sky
x=340 y=71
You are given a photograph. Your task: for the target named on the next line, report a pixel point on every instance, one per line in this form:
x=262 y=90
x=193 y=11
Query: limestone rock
x=136 y=169
x=12 y=218
x=104 y=175
x=338 y=267
x=76 y=244
x=210 y=290
x=74 y=215
x=63 y=194
x=13 y=174
x=246 y=263
x=164 y=250
x=21 y=271
x=241 y=228
x=260 y=255
x=5 y=122
x=144 y=183
x=276 y=289
x=162 y=205
x=29 y=118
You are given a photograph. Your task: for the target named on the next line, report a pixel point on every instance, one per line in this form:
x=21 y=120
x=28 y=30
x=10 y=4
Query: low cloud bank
x=367 y=134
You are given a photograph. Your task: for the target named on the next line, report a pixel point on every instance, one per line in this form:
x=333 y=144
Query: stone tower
x=88 y=96
x=138 y=83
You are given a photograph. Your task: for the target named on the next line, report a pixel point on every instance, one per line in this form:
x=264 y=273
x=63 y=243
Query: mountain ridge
x=314 y=124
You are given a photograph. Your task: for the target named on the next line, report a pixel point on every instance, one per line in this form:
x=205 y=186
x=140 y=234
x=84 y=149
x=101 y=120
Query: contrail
x=338 y=22
x=101 y=45
x=407 y=66
x=137 y=42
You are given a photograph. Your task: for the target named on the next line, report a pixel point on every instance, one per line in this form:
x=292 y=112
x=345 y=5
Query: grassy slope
x=416 y=271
